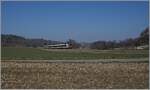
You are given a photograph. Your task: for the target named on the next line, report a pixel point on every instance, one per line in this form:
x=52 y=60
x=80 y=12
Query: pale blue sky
x=82 y=21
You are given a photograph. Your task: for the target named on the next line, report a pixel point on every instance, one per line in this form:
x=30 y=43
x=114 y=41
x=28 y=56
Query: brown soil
x=42 y=75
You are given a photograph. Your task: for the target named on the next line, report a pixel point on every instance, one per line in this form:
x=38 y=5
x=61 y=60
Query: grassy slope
x=32 y=53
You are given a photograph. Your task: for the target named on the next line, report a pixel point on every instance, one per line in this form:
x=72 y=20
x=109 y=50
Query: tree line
x=142 y=39
x=9 y=40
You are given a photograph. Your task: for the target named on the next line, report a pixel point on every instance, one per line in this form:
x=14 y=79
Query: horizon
x=81 y=21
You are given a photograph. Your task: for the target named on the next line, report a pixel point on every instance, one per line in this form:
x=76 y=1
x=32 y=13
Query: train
x=59 y=46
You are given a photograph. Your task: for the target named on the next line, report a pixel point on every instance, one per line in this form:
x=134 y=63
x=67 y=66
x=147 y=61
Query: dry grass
x=74 y=75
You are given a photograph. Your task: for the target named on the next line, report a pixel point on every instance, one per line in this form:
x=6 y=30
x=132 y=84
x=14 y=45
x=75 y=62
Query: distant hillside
x=18 y=41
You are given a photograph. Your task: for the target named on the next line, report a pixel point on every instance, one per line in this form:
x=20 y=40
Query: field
x=74 y=75
x=37 y=68
x=9 y=53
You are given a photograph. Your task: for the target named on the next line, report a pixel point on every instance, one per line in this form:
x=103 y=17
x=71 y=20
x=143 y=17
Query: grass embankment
x=11 y=53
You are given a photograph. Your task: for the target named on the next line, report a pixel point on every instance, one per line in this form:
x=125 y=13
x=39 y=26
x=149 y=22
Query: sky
x=85 y=21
